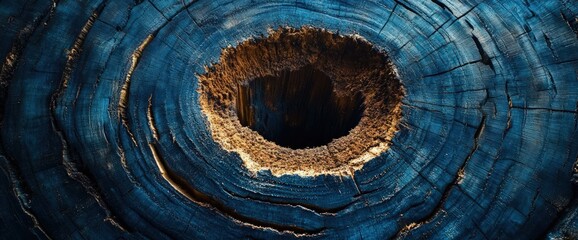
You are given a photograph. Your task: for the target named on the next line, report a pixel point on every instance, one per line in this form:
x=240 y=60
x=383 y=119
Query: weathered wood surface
x=100 y=108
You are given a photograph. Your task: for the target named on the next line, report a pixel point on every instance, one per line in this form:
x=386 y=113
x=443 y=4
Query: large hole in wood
x=297 y=108
x=302 y=101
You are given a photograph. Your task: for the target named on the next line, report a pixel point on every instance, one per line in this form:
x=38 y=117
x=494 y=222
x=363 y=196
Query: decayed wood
x=103 y=131
x=352 y=66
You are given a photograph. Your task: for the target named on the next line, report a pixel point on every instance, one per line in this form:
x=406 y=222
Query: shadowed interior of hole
x=297 y=108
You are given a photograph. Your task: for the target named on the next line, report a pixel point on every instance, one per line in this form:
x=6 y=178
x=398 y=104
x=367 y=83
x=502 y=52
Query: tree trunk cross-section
x=182 y=119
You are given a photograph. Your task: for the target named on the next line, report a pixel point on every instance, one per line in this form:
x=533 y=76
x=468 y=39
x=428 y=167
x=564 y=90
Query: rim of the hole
x=348 y=115
x=369 y=139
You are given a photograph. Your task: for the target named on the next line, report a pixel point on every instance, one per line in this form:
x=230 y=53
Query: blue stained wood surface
x=486 y=150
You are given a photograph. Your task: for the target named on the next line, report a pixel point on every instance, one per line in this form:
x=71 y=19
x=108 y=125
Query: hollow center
x=302 y=101
x=297 y=108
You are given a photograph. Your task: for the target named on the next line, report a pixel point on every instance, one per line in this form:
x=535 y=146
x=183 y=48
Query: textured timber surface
x=353 y=68
x=102 y=135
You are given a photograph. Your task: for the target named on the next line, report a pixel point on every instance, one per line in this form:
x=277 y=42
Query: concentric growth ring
x=274 y=119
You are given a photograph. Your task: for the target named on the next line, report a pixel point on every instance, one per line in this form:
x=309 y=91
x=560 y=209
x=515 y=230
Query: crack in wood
x=124 y=165
x=388 y=18
x=456 y=182
x=22 y=196
x=545 y=109
x=68 y=156
x=323 y=211
x=504 y=188
x=549 y=45
x=124 y=91
x=572 y=23
x=483 y=54
x=204 y=200
x=13 y=57
x=151 y=120
x=443 y=6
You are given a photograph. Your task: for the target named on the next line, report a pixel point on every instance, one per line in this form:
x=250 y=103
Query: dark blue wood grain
x=486 y=148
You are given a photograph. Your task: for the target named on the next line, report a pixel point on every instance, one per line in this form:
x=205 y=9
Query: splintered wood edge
x=361 y=69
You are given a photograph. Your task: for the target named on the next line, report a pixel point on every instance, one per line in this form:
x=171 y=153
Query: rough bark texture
x=102 y=132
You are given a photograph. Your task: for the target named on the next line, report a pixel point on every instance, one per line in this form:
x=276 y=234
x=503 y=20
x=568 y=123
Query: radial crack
x=460 y=175
x=484 y=55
